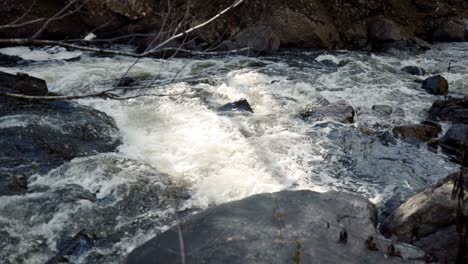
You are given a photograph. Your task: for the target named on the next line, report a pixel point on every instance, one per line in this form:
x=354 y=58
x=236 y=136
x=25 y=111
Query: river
x=217 y=156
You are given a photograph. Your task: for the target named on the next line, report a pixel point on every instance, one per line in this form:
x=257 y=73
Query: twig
x=235 y=4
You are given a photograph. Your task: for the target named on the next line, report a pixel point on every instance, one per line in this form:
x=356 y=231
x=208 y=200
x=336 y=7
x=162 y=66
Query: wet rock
x=259 y=38
x=436 y=85
x=339 y=111
x=455 y=141
x=384 y=30
x=37 y=136
x=423 y=45
x=22 y=83
x=276 y=228
x=414 y=70
x=428 y=221
x=241 y=105
x=453 y=110
x=422 y=132
x=385 y=110
x=450 y=30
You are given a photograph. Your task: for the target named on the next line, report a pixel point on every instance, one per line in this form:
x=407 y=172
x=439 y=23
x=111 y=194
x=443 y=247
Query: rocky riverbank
x=263 y=26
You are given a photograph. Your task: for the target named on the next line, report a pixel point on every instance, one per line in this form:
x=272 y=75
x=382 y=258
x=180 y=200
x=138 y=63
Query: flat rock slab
x=279 y=228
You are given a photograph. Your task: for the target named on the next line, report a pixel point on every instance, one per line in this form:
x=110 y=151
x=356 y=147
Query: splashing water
x=225 y=156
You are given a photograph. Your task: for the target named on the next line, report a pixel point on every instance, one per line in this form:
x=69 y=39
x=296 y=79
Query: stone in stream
x=36 y=136
x=385 y=110
x=414 y=70
x=339 y=111
x=279 y=227
x=240 y=105
x=436 y=85
x=453 y=110
x=428 y=220
x=423 y=132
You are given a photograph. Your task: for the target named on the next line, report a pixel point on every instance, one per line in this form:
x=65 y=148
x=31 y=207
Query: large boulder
x=37 y=136
x=436 y=85
x=428 y=220
x=453 y=110
x=339 y=112
x=284 y=227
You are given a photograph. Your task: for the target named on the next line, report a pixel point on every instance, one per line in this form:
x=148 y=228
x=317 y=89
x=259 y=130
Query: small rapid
x=217 y=157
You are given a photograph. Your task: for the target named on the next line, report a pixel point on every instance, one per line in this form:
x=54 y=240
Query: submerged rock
x=428 y=221
x=453 y=110
x=241 y=105
x=280 y=227
x=339 y=111
x=414 y=70
x=423 y=132
x=436 y=85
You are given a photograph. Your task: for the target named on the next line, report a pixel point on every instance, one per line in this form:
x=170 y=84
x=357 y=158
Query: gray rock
x=385 y=110
x=37 y=136
x=240 y=105
x=339 y=111
x=436 y=85
x=284 y=227
x=428 y=220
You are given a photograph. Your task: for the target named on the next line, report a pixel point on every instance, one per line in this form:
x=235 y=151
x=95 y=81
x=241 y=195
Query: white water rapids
x=225 y=156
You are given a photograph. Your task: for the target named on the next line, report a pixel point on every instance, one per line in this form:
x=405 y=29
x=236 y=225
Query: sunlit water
x=225 y=156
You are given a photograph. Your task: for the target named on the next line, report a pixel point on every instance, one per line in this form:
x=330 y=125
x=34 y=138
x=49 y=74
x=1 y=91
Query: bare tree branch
x=235 y=4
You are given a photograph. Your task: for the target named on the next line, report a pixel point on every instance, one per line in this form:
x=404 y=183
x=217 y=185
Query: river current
x=181 y=139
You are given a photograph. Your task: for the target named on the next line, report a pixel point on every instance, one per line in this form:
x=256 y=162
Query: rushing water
x=181 y=140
